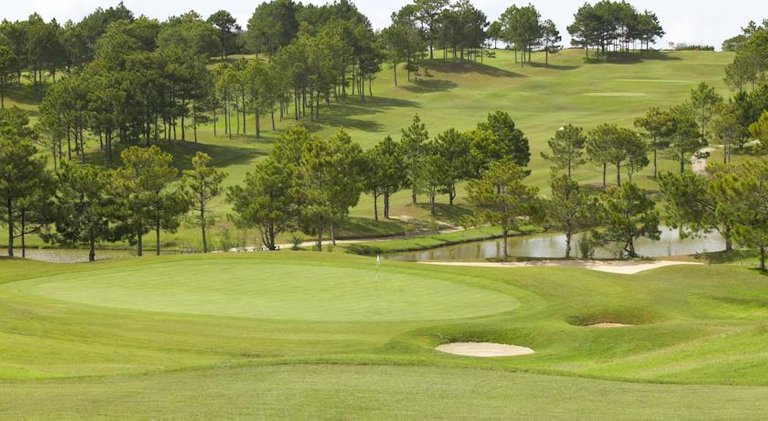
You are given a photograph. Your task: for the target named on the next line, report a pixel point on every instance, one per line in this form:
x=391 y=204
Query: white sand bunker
x=484 y=349
x=609 y=325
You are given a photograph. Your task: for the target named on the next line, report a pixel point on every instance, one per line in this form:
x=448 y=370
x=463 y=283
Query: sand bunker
x=609 y=325
x=479 y=349
x=610 y=266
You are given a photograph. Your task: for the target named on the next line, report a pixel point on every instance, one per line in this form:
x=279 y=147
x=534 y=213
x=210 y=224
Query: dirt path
x=618 y=267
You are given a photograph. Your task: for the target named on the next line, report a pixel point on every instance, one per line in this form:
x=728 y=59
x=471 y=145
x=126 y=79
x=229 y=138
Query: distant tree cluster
x=610 y=27
x=524 y=31
x=82 y=204
x=750 y=65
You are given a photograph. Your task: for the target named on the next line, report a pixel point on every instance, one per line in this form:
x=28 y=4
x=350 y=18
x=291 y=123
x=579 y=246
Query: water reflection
x=553 y=246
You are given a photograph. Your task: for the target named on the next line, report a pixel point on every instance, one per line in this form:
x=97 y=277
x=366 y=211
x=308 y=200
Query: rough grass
x=697 y=325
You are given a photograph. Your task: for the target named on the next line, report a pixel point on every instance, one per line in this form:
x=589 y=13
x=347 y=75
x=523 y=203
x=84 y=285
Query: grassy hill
x=449 y=94
x=304 y=334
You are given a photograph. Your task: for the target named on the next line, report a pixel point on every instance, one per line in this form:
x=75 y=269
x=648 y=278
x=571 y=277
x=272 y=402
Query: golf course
x=302 y=334
x=309 y=214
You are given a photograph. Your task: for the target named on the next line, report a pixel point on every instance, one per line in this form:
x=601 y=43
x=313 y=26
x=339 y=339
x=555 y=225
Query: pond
x=553 y=246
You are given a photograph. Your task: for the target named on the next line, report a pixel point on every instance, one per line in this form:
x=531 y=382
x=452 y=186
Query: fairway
x=273 y=291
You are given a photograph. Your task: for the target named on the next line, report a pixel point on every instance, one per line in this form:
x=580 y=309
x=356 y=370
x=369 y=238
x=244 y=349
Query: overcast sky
x=685 y=21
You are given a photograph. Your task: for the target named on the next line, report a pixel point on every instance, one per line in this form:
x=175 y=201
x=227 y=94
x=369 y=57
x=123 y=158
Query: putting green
x=274 y=290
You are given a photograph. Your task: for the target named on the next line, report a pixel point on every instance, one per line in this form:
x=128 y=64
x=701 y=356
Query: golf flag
x=378 y=260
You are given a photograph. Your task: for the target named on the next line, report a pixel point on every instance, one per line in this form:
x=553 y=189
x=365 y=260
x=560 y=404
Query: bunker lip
x=483 y=349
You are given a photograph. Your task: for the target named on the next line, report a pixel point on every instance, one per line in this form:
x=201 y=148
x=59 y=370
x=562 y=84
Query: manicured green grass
x=273 y=290
x=300 y=334
x=354 y=392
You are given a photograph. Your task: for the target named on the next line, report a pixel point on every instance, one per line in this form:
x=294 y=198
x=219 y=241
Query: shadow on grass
x=447 y=213
x=471 y=67
x=344 y=114
x=355 y=228
x=552 y=66
x=23 y=95
x=223 y=155
x=428 y=86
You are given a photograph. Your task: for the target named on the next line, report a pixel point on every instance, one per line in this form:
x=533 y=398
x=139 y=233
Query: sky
x=685 y=21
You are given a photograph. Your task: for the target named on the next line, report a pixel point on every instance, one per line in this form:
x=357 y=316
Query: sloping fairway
x=300 y=334
x=378 y=392
x=273 y=290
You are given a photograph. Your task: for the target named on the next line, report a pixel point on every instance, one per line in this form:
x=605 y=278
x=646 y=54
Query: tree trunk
x=386 y=205
x=395 y=72
x=319 y=240
x=202 y=225
x=605 y=170
x=23 y=235
x=91 y=247
x=655 y=166
x=432 y=203
x=505 y=234
x=631 y=248
x=333 y=234
x=258 y=124
x=762 y=258
x=183 y=125
x=157 y=238
x=375 y=205
x=618 y=173
x=245 y=112
x=413 y=196
x=568 y=236
x=9 y=206
x=140 y=245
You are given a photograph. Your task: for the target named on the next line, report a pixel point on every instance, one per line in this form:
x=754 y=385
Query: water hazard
x=553 y=246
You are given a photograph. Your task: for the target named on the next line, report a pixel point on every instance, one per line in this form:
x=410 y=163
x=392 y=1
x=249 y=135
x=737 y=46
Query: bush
x=296 y=240
x=586 y=246
x=693 y=47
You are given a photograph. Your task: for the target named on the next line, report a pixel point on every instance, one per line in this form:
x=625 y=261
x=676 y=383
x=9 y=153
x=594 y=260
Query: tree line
x=83 y=205
x=309 y=184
